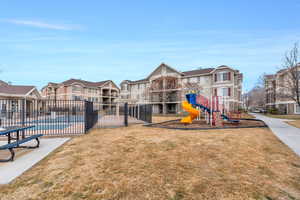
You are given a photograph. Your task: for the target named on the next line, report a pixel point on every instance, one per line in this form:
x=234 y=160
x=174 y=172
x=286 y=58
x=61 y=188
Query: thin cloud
x=40 y=24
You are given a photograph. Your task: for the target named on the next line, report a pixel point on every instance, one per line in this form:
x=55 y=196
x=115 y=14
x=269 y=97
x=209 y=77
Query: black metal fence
x=50 y=117
x=69 y=117
x=116 y=115
x=142 y=112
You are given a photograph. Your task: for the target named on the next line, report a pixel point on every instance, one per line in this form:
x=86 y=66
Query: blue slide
x=224 y=117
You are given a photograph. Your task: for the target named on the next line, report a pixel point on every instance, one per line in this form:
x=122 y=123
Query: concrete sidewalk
x=288 y=134
x=11 y=170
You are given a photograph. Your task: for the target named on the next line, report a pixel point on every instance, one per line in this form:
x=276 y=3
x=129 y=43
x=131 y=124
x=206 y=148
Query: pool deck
x=25 y=160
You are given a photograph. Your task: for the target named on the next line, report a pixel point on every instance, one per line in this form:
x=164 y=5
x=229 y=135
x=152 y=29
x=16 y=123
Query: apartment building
x=276 y=86
x=270 y=91
x=166 y=87
x=105 y=93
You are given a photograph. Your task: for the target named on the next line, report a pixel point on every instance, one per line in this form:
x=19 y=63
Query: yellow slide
x=192 y=111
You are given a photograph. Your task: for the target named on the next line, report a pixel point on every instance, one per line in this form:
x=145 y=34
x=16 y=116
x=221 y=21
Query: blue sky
x=43 y=41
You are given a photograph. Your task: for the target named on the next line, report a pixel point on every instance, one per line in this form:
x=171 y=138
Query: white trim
x=223 y=67
x=15 y=95
x=284 y=102
x=33 y=89
x=270 y=104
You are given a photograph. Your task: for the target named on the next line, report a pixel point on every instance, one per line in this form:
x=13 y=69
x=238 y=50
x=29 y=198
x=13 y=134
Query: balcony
x=172 y=99
x=156 y=98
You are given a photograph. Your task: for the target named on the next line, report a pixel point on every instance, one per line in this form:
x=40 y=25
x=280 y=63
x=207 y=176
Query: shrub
x=273 y=111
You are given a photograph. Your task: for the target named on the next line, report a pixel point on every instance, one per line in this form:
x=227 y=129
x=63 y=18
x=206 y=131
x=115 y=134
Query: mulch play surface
x=244 y=123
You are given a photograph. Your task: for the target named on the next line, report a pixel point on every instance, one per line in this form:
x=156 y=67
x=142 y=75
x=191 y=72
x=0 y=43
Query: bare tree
x=255 y=98
x=290 y=76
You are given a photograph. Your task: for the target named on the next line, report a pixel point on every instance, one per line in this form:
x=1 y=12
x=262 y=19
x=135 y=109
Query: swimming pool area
x=51 y=126
x=59 y=119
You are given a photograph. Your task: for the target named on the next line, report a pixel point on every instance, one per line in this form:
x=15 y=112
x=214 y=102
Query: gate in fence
x=69 y=117
x=121 y=114
x=91 y=116
x=141 y=112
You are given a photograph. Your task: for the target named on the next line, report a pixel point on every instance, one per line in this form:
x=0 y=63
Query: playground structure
x=189 y=107
x=215 y=111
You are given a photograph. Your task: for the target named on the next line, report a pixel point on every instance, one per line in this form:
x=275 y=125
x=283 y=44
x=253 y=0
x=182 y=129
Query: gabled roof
x=137 y=81
x=186 y=73
x=287 y=69
x=16 y=90
x=163 y=65
x=270 y=76
x=85 y=83
x=3 y=83
x=198 y=72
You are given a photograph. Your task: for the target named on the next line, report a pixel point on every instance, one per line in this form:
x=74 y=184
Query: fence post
x=23 y=113
x=149 y=112
x=126 y=114
x=118 y=109
x=85 y=116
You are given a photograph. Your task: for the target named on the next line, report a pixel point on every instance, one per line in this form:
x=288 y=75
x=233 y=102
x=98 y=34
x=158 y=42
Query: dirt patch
x=158 y=119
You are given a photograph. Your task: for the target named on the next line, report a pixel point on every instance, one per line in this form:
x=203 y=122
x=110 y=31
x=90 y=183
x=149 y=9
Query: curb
x=158 y=125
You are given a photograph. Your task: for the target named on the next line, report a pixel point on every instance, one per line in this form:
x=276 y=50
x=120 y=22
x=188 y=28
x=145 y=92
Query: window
x=3 y=106
x=75 y=88
x=77 y=98
x=124 y=86
x=297 y=109
x=14 y=105
x=225 y=92
x=222 y=76
x=298 y=75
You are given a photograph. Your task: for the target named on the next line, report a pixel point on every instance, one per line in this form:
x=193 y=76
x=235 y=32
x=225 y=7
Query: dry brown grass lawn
x=247 y=115
x=295 y=123
x=150 y=163
x=284 y=116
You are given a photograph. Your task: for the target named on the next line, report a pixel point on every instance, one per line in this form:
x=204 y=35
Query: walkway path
x=288 y=134
x=11 y=170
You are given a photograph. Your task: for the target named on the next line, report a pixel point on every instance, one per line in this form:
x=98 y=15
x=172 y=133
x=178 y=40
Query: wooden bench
x=16 y=144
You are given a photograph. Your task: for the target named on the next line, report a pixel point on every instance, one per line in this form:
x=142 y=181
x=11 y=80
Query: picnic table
x=15 y=139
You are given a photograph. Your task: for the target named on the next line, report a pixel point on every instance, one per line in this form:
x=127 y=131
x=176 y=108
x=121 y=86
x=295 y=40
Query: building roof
x=3 y=83
x=186 y=73
x=287 y=69
x=85 y=83
x=19 y=90
x=198 y=72
x=270 y=76
x=138 y=81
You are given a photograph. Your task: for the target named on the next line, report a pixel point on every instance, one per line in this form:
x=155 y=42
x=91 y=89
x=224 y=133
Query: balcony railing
x=172 y=99
x=165 y=99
